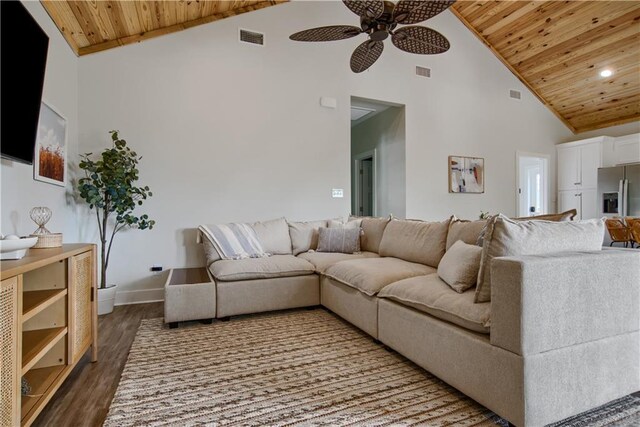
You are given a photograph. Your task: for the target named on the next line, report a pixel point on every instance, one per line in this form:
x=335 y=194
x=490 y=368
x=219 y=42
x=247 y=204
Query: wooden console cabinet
x=48 y=320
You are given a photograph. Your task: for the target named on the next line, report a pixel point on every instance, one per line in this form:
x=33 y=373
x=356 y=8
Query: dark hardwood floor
x=84 y=398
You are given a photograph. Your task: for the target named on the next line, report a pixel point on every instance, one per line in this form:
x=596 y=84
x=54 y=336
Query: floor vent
x=252 y=37
x=515 y=94
x=423 y=71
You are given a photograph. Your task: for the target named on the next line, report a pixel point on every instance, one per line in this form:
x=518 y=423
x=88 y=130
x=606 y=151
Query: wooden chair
x=634 y=228
x=618 y=231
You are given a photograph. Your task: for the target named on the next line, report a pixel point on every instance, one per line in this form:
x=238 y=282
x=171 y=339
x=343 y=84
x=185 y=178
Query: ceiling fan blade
x=421 y=40
x=365 y=8
x=365 y=55
x=325 y=34
x=414 y=11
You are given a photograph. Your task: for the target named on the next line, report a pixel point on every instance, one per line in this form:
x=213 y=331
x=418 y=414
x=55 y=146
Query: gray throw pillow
x=459 y=266
x=342 y=240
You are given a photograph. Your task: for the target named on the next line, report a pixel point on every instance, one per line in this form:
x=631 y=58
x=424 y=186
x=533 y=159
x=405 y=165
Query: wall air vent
x=252 y=37
x=423 y=71
x=515 y=94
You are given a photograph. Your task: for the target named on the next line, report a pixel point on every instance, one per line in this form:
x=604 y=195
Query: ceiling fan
x=379 y=19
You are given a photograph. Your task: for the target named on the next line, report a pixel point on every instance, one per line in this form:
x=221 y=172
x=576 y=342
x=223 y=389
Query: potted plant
x=109 y=189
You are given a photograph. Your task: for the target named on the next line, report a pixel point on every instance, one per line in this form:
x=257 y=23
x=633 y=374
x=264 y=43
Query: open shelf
x=36 y=344
x=33 y=302
x=40 y=381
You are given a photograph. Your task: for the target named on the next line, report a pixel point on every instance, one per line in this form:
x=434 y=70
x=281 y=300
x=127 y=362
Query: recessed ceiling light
x=606 y=73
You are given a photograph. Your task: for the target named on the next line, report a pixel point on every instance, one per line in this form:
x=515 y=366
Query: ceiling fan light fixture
x=606 y=73
x=378 y=20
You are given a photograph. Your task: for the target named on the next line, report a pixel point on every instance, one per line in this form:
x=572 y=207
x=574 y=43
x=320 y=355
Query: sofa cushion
x=260 y=268
x=274 y=236
x=372 y=274
x=433 y=296
x=324 y=260
x=304 y=235
x=459 y=266
x=505 y=237
x=341 y=240
x=415 y=241
x=372 y=231
x=467 y=231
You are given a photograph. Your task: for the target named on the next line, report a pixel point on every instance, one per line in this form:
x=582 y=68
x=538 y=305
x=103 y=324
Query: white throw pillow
x=460 y=265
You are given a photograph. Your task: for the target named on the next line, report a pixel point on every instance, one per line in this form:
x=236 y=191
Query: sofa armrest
x=541 y=303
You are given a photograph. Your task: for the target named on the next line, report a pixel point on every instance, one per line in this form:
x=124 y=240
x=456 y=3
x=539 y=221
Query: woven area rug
x=303 y=367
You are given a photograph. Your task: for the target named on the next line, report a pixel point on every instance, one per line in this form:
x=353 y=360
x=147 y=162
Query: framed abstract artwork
x=50 y=157
x=466 y=174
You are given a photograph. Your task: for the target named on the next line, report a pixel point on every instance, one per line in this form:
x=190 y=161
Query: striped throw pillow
x=234 y=240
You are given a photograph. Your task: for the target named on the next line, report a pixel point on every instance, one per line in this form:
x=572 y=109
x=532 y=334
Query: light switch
x=328 y=102
x=337 y=193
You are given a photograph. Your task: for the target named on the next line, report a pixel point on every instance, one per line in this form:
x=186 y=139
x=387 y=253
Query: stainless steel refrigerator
x=619 y=191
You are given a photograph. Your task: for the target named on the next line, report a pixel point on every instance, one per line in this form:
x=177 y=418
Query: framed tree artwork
x=466 y=174
x=50 y=157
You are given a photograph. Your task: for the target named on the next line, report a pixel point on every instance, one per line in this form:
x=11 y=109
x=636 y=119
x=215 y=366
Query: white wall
x=384 y=132
x=20 y=192
x=234 y=132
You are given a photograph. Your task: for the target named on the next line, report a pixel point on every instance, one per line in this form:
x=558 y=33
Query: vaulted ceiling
x=556 y=48
x=559 y=48
x=93 y=25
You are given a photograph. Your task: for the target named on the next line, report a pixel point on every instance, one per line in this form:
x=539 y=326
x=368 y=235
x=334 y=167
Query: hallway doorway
x=378 y=171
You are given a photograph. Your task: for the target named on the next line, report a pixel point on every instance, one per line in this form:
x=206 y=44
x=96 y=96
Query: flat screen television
x=23 y=55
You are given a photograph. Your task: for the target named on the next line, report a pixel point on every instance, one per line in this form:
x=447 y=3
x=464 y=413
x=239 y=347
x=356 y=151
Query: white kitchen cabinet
x=590 y=161
x=627 y=149
x=585 y=202
x=588 y=203
x=568 y=168
x=578 y=164
x=568 y=200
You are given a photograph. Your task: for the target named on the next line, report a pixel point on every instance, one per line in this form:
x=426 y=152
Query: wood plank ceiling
x=559 y=48
x=93 y=25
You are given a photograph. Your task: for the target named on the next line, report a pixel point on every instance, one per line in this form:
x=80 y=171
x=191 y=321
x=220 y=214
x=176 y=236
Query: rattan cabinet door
x=9 y=348
x=80 y=290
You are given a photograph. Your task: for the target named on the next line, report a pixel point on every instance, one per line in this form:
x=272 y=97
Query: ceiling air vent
x=515 y=94
x=423 y=71
x=252 y=37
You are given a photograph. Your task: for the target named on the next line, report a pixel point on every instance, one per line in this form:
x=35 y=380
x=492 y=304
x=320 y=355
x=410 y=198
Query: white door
x=533 y=184
x=590 y=161
x=568 y=168
x=364 y=195
x=366 y=187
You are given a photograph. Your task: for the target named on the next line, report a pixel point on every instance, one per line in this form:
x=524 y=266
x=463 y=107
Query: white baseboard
x=139 y=297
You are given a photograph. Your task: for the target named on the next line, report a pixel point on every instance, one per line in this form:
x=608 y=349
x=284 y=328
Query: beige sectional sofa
x=559 y=336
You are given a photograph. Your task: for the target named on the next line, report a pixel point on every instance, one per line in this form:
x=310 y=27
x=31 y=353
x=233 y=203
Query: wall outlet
x=156 y=268
x=337 y=193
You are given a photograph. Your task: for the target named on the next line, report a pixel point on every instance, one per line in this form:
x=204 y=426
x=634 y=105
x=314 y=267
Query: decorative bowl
x=17 y=244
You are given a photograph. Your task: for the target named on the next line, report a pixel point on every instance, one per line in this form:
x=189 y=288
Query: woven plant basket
x=53 y=240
